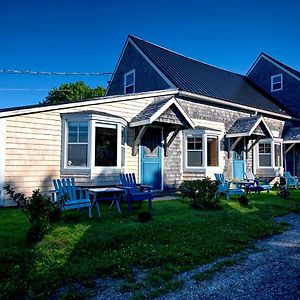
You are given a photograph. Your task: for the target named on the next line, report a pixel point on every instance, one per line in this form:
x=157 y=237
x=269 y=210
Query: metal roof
x=196 y=77
x=292 y=134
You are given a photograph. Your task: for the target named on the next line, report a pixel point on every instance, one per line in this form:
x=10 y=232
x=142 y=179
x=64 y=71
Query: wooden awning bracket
x=289 y=148
x=235 y=143
x=254 y=143
x=168 y=143
x=138 y=140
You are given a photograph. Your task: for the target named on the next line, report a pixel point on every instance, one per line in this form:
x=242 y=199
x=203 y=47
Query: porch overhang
x=250 y=128
x=166 y=113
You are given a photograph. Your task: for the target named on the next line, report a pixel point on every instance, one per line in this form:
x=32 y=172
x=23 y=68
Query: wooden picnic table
x=107 y=193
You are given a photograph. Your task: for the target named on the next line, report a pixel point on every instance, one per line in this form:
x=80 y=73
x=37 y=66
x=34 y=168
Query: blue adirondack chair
x=291 y=181
x=135 y=192
x=224 y=186
x=255 y=184
x=78 y=198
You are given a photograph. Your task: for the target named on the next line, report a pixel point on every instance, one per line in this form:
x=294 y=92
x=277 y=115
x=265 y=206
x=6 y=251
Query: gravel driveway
x=273 y=273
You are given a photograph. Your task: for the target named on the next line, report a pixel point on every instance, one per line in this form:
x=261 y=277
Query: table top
x=106 y=190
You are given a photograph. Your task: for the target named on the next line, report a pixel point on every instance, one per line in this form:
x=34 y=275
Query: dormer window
x=276 y=83
x=129 y=82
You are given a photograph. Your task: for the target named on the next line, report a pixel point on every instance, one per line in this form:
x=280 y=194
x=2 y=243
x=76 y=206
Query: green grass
x=176 y=239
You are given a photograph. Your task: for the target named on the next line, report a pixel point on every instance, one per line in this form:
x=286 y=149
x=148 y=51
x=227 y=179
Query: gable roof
x=291 y=71
x=155 y=109
x=248 y=126
x=193 y=76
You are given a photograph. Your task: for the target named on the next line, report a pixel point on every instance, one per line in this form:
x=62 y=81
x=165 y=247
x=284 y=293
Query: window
x=265 y=154
x=129 y=82
x=276 y=83
x=212 y=151
x=194 y=151
x=106 y=145
x=277 y=154
x=77 y=144
x=93 y=141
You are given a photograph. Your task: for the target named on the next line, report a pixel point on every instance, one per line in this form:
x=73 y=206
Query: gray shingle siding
x=289 y=97
x=146 y=78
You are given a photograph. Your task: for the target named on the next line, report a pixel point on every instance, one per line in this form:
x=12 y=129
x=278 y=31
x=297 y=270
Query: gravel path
x=273 y=273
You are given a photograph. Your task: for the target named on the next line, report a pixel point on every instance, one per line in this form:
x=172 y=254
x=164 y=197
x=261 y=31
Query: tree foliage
x=73 y=92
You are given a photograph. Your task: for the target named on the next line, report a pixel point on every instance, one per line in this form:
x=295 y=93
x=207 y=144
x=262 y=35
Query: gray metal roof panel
x=196 y=77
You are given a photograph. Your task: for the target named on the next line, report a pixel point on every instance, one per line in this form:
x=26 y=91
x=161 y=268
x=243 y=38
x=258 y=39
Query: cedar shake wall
x=33 y=147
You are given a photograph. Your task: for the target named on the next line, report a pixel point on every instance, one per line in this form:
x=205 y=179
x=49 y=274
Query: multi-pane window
x=265 y=154
x=77 y=144
x=106 y=145
x=276 y=83
x=129 y=82
x=277 y=154
x=212 y=151
x=194 y=151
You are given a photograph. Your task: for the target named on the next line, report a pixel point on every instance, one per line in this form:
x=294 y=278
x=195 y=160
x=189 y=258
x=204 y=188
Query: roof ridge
x=187 y=57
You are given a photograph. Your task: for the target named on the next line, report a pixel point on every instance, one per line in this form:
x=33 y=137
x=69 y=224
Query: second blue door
x=151 y=158
x=238 y=160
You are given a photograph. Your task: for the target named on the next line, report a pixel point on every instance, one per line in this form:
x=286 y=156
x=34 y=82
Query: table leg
x=98 y=208
x=118 y=203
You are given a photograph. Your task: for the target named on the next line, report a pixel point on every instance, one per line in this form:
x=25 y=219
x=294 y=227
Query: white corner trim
x=2 y=158
x=161 y=74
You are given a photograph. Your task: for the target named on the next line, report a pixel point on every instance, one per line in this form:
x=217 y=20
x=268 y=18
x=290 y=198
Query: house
x=282 y=83
x=165 y=117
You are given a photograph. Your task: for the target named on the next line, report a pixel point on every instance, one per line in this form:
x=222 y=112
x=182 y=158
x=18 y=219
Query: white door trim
x=2 y=158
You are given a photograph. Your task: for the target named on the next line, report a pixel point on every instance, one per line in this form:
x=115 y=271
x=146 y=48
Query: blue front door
x=238 y=160
x=151 y=158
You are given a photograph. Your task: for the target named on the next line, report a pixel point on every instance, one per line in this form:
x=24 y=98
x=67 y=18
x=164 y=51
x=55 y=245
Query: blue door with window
x=238 y=161
x=151 y=158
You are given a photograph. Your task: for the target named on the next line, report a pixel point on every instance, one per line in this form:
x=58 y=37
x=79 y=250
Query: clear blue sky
x=88 y=36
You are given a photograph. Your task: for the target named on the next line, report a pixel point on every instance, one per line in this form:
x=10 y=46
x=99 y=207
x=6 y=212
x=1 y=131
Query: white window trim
x=272 y=82
x=272 y=142
x=204 y=134
x=93 y=122
x=126 y=86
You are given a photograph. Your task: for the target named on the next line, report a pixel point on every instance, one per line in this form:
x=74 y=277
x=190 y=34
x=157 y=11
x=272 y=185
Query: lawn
x=176 y=239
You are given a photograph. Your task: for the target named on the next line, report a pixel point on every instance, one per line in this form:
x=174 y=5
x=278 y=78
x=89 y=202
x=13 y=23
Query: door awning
x=252 y=127
x=165 y=112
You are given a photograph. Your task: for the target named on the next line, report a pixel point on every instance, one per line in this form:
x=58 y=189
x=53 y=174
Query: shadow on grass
x=176 y=239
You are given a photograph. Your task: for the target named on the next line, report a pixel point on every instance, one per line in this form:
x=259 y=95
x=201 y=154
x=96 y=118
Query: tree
x=73 y=92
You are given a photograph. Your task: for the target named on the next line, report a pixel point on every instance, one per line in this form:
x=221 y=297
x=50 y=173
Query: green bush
x=144 y=216
x=39 y=209
x=243 y=200
x=201 y=194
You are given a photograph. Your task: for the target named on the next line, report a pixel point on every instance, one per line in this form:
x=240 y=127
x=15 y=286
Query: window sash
x=129 y=82
x=277 y=155
x=276 y=82
x=212 y=150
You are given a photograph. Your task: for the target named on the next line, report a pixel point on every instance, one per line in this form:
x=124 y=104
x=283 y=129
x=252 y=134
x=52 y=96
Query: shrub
x=283 y=192
x=243 y=200
x=39 y=209
x=201 y=193
x=144 y=216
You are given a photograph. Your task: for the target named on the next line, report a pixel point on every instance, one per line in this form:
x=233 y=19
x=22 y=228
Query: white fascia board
x=291 y=142
x=166 y=106
x=161 y=74
x=117 y=66
x=139 y=123
x=237 y=135
x=95 y=101
x=2 y=158
x=227 y=103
